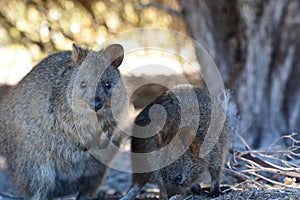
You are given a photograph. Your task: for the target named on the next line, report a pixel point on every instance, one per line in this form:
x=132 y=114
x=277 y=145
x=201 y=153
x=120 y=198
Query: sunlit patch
x=75 y=27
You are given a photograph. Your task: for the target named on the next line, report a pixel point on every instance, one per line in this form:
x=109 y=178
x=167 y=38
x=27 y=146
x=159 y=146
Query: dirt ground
x=238 y=194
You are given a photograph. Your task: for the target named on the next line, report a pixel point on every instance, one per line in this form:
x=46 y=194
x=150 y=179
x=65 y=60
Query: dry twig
x=253 y=163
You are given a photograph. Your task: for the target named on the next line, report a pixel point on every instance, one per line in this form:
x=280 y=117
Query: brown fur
x=44 y=120
x=185 y=171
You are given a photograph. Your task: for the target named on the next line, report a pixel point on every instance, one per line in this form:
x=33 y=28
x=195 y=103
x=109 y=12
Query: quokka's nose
x=98 y=103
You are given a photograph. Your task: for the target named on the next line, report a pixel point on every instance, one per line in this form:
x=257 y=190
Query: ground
x=249 y=194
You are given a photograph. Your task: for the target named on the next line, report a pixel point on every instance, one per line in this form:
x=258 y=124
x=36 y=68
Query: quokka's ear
x=185 y=138
x=78 y=54
x=115 y=53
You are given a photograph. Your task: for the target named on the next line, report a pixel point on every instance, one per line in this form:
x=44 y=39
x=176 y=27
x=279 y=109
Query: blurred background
x=31 y=30
x=255 y=44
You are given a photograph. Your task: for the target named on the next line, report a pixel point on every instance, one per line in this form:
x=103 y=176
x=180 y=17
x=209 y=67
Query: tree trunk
x=256 y=47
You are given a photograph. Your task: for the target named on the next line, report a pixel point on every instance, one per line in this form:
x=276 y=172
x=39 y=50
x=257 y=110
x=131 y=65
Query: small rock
x=176 y=197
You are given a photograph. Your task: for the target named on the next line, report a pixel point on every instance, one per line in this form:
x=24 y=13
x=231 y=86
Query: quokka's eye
x=83 y=84
x=178 y=179
x=107 y=84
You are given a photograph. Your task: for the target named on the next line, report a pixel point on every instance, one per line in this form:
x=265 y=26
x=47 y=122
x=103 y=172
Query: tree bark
x=256 y=47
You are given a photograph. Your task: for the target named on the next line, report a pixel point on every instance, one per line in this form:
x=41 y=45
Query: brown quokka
x=185 y=163
x=54 y=116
